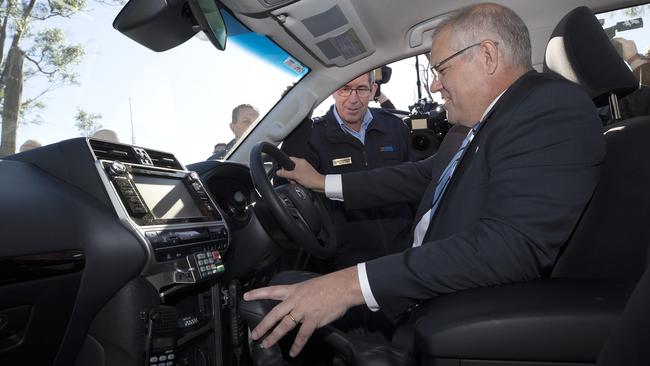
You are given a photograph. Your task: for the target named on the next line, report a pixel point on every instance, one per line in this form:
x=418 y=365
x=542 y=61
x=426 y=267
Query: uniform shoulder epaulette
x=318 y=121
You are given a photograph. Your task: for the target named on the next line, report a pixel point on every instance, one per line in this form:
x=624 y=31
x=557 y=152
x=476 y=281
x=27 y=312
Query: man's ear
x=232 y=127
x=490 y=55
x=373 y=89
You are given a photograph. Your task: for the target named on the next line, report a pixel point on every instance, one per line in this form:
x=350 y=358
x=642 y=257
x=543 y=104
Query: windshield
x=81 y=77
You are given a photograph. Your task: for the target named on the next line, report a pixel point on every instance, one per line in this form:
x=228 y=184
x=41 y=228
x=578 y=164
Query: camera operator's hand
x=305 y=175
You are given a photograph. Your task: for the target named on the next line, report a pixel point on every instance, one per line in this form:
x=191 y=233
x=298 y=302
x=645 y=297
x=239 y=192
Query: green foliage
x=63 y=8
x=53 y=58
x=87 y=123
x=30 y=112
x=41 y=52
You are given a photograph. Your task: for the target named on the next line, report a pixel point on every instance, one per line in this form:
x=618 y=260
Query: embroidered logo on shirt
x=342 y=161
x=387 y=149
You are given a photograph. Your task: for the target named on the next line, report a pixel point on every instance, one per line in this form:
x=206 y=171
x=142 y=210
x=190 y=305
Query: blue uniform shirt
x=361 y=135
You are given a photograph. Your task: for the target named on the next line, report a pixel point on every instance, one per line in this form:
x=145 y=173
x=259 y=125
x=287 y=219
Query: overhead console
x=168 y=207
x=330 y=28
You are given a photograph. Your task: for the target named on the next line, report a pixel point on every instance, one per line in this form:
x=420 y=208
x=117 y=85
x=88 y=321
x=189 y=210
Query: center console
x=185 y=237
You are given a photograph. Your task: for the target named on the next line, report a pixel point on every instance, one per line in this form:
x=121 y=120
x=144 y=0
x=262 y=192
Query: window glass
x=81 y=77
x=628 y=30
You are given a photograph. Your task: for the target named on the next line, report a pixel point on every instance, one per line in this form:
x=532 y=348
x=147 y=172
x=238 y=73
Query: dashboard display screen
x=167 y=198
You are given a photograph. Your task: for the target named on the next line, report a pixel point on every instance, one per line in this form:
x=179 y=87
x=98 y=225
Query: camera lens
x=420 y=142
x=424 y=143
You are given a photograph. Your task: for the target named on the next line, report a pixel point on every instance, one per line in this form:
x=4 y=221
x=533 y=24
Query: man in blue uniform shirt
x=352 y=137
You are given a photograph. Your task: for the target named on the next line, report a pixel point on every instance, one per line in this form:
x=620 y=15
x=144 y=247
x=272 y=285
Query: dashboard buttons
x=208 y=264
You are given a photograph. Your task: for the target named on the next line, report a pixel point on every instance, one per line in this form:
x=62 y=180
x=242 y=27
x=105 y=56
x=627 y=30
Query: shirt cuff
x=368 y=297
x=334 y=187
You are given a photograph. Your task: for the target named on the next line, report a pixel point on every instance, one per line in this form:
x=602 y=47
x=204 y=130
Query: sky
x=181 y=100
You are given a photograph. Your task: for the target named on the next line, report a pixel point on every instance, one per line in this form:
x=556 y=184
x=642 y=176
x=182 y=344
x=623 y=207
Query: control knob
x=116 y=168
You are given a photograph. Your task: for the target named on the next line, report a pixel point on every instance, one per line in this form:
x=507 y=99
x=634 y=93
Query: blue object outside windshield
x=263 y=47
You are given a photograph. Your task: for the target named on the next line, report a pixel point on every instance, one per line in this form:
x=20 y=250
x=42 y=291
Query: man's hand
x=309 y=305
x=305 y=175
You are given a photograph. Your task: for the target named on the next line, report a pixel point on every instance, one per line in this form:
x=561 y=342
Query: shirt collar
x=359 y=135
x=367 y=118
x=489 y=108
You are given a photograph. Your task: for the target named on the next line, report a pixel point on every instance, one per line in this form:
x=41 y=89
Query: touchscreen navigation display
x=167 y=198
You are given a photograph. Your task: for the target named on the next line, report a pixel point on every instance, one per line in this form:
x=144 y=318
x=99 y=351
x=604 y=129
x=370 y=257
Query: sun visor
x=331 y=30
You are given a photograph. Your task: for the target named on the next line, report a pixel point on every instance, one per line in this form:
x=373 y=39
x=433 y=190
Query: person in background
x=106 y=135
x=243 y=117
x=383 y=101
x=30 y=144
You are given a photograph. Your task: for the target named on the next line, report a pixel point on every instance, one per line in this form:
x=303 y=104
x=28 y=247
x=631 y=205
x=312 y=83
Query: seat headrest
x=580 y=51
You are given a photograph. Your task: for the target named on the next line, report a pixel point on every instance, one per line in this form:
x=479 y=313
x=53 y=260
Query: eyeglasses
x=346 y=91
x=435 y=69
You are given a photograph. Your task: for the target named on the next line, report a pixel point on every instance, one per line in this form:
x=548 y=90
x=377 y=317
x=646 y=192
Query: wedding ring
x=293 y=319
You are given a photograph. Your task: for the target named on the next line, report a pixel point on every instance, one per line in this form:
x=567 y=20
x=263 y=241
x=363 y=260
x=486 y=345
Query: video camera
x=428 y=123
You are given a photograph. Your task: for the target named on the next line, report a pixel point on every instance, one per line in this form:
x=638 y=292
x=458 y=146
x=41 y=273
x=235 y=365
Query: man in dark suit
x=495 y=209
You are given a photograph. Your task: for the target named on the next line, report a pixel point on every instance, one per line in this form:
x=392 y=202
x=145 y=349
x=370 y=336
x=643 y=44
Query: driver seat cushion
x=522 y=321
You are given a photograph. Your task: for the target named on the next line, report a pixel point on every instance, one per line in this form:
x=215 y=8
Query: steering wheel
x=299 y=212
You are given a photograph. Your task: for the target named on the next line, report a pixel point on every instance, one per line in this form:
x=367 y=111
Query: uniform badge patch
x=342 y=161
x=387 y=149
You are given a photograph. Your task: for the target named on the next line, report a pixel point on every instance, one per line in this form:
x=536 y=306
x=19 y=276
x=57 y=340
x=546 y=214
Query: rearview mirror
x=210 y=20
x=164 y=24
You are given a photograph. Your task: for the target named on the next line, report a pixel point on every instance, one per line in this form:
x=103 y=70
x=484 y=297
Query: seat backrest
x=612 y=236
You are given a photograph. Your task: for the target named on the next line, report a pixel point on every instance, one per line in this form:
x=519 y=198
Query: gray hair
x=474 y=23
x=371 y=77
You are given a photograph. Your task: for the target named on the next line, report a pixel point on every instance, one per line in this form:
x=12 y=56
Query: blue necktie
x=445 y=177
x=423 y=225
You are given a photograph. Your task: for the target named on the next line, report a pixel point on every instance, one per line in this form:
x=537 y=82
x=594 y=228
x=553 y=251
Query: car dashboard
x=123 y=253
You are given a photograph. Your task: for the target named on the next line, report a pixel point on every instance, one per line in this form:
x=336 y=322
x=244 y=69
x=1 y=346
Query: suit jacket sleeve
x=406 y=182
x=543 y=163
x=403 y=183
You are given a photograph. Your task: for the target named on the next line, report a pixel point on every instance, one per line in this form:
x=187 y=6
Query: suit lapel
x=510 y=99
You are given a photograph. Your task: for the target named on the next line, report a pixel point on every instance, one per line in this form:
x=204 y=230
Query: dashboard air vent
x=109 y=151
x=105 y=150
x=163 y=160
